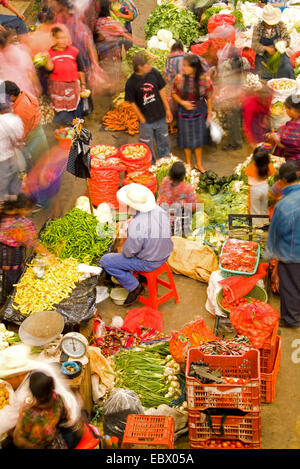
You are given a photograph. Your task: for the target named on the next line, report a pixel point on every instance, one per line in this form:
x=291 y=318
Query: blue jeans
x=120 y=267
x=159 y=131
x=14 y=22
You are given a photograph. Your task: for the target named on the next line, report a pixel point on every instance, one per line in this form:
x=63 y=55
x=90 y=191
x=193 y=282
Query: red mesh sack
x=152 y=185
x=136 y=164
x=192 y=335
x=143 y=317
x=104 y=185
x=237 y=287
x=255 y=321
x=250 y=55
x=294 y=57
x=219 y=20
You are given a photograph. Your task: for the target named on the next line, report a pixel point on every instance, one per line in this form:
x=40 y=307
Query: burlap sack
x=192 y=259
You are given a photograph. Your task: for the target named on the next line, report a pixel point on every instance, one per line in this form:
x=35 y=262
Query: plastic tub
x=65 y=143
x=230 y=273
x=257 y=292
x=119 y=295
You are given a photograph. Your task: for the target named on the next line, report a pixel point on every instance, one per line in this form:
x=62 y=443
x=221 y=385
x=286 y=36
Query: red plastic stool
x=153 y=281
x=149 y=430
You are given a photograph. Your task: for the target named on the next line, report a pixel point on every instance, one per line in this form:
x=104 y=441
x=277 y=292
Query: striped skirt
x=192 y=130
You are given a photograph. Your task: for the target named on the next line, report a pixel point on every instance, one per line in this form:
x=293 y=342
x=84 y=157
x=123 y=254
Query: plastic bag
x=7 y=414
x=143 y=317
x=255 y=321
x=87 y=106
x=216 y=132
x=192 y=335
x=219 y=20
x=120 y=404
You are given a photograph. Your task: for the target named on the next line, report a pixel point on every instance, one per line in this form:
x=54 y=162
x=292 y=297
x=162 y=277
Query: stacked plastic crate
x=270 y=355
x=225 y=412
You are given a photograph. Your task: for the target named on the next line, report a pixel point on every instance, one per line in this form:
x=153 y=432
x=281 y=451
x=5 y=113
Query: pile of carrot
x=122 y=117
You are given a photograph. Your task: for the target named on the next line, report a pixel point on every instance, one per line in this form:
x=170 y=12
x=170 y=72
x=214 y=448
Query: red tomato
x=225 y=444
x=239 y=444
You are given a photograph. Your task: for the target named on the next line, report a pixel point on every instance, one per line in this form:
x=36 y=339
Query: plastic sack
x=255 y=321
x=119 y=405
x=136 y=164
x=104 y=185
x=237 y=287
x=216 y=132
x=219 y=20
x=192 y=335
x=225 y=32
x=143 y=317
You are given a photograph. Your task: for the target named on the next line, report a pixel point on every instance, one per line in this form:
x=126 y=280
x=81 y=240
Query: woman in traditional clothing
x=67 y=78
x=192 y=90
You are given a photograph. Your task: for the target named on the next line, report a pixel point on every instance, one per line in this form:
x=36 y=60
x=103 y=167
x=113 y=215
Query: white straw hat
x=16 y=360
x=271 y=15
x=137 y=196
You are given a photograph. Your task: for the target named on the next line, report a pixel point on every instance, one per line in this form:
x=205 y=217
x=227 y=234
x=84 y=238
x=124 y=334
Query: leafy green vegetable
x=156 y=57
x=181 y=22
x=207 y=15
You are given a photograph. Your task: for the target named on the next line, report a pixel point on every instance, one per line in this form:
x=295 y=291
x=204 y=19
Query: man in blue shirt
x=148 y=244
x=284 y=245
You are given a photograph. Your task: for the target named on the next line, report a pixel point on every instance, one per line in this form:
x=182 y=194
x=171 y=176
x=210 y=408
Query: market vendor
x=17 y=232
x=271 y=36
x=284 y=245
x=148 y=244
x=287 y=138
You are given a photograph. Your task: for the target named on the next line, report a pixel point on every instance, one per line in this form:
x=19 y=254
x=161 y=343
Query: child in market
x=258 y=173
x=17 y=232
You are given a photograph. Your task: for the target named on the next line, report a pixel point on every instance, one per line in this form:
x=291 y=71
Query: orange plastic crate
x=231 y=396
x=268 y=352
x=246 y=428
x=149 y=430
x=268 y=380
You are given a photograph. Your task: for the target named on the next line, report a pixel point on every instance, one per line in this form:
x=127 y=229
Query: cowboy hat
x=137 y=196
x=271 y=15
x=16 y=360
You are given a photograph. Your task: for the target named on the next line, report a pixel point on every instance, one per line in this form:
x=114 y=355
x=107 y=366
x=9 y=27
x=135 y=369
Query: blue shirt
x=149 y=236
x=284 y=233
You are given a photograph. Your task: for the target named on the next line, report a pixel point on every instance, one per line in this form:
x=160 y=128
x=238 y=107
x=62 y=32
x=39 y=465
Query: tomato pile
x=239 y=256
x=225 y=444
x=230 y=306
x=239 y=381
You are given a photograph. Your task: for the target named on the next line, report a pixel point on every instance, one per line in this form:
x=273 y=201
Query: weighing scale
x=44 y=329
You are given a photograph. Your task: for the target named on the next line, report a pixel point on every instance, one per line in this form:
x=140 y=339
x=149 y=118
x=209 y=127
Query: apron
x=285 y=69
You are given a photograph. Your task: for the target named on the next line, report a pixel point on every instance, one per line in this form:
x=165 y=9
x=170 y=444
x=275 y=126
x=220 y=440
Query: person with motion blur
x=16 y=21
x=26 y=106
x=145 y=90
x=17 y=232
x=109 y=33
x=256 y=105
x=128 y=12
x=11 y=134
x=65 y=64
x=258 y=173
x=38 y=423
x=287 y=138
x=284 y=245
x=192 y=90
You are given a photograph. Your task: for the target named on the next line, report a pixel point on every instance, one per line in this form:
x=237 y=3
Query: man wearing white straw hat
x=148 y=243
x=271 y=37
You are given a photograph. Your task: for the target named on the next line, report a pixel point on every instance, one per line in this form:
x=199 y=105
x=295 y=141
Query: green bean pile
x=78 y=235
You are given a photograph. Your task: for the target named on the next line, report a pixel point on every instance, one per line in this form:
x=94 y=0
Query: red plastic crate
x=232 y=396
x=268 y=380
x=203 y=445
x=245 y=428
x=149 y=430
x=268 y=352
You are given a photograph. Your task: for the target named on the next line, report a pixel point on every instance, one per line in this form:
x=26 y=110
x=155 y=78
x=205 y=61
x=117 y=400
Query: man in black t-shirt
x=145 y=90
